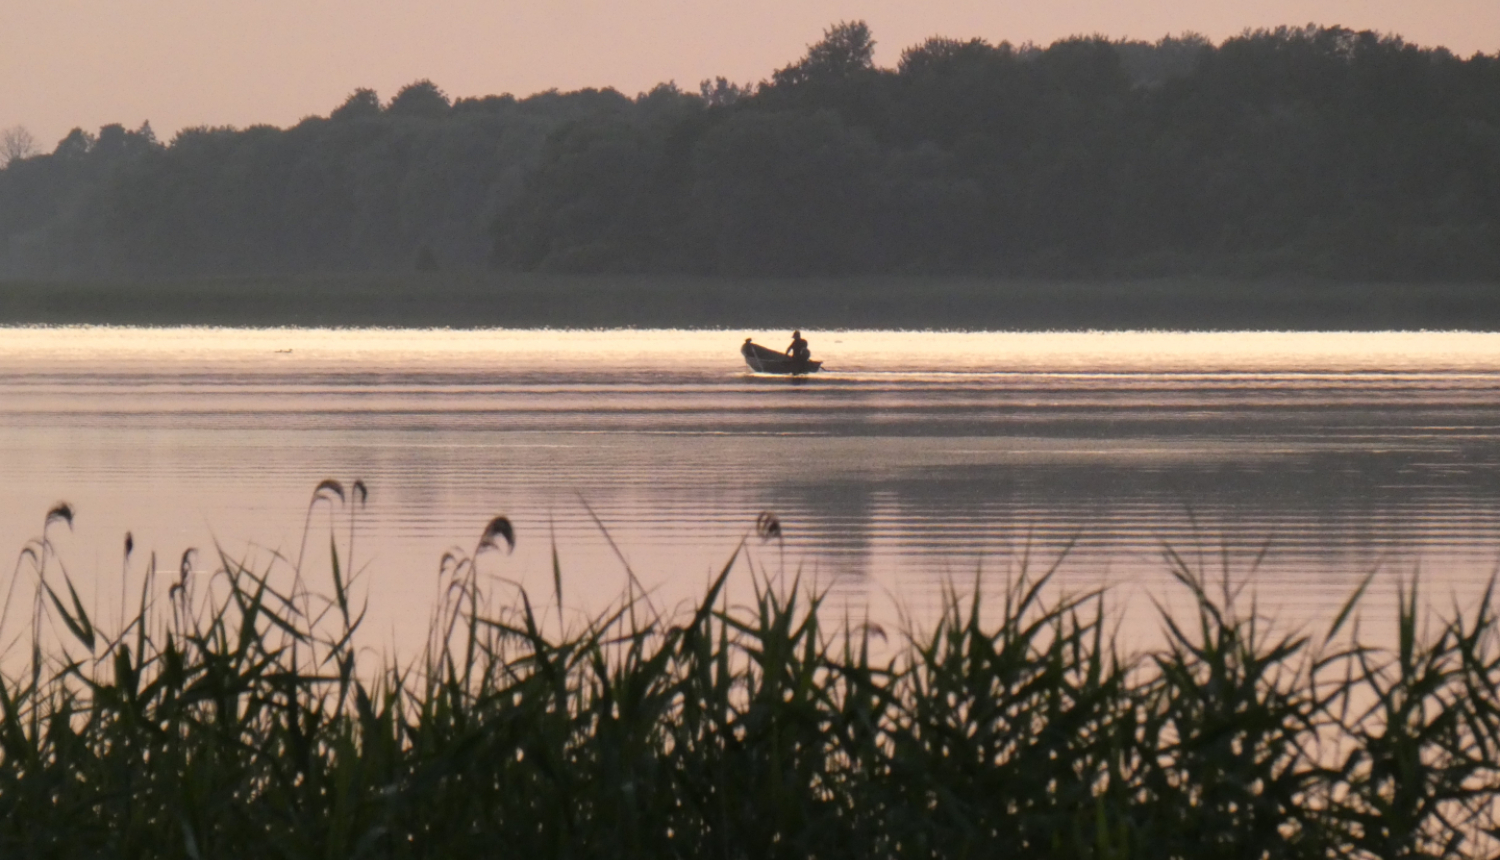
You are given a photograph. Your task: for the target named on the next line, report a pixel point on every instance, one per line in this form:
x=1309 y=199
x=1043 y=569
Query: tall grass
x=234 y=717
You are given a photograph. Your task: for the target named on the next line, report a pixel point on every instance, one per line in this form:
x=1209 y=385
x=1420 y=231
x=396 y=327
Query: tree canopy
x=1315 y=150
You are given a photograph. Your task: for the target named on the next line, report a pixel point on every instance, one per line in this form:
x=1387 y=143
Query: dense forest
x=1310 y=151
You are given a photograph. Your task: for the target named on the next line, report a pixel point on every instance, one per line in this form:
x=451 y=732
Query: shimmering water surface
x=918 y=459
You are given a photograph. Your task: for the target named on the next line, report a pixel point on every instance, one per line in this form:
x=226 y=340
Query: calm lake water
x=919 y=459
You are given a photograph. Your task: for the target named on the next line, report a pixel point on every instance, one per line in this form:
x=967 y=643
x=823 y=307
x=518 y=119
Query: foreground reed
x=236 y=718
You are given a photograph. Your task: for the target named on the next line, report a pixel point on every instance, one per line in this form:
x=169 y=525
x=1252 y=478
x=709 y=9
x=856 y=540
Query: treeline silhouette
x=1317 y=151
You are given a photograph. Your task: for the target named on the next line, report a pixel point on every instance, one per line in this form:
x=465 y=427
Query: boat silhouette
x=765 y=360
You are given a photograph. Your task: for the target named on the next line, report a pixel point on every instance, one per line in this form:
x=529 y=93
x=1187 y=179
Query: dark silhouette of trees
x=846 y=51
x=76 y=144
x=362 y=104
x=17 y=143
x=1306 y=151
x=426 y=260
x=720 y=92
x=423 y=99
x=787 y=193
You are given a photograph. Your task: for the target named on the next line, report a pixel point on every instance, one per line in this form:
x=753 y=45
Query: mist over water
x=919 y=459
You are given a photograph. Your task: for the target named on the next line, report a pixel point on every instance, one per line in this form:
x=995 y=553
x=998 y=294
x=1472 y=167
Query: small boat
x=764 y=360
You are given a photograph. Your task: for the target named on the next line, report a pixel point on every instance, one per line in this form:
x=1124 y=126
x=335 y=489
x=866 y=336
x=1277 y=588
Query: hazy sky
x=66 y=63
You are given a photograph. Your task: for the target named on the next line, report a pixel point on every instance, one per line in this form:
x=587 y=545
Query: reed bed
x=234 y=716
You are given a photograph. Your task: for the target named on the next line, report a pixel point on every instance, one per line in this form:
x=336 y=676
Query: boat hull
x=763 y=360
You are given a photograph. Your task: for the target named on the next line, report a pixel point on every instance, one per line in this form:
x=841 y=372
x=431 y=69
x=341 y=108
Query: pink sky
x=66 y=63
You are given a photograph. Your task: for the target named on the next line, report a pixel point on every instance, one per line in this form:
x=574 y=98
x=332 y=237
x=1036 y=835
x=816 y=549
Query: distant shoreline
x=482 y=300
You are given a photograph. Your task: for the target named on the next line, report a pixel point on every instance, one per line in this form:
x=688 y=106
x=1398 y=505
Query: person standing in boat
x=799 y=350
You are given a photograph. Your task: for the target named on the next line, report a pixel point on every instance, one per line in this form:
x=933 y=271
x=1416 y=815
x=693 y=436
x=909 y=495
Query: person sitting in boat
x=799 y=350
